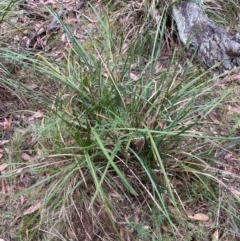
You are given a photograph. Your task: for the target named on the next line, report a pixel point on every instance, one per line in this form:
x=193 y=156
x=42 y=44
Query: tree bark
x=211 y=43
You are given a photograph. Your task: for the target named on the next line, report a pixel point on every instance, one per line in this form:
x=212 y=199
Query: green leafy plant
x=126 y=135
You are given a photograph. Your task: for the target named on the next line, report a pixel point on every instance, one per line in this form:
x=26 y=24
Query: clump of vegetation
x=120 y=134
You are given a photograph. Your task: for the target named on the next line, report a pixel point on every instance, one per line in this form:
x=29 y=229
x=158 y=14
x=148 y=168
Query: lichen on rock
x=211 y=43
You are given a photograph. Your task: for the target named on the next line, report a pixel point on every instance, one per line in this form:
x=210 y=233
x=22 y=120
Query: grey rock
x=211 y=43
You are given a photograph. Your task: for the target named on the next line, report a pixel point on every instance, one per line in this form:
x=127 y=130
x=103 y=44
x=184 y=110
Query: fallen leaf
x=136 y=218
x=71 y=234
x=59 y=58
x=31 y=86
x=6 y=123
x=234 y=109
x=176 y=182
x=63 y=38
x=235 y=192
x=229 y=157
x=159 y=67
x=32 y=209
x=3 y=167
x=232 y=77
x=26 y=157
x=4 y=142
x=166 y=229
x=189 y=212
x=173 y=210
x=134 y=76
x=199 y=216
x=22 y=199
x=37 y=115
x=215 y=236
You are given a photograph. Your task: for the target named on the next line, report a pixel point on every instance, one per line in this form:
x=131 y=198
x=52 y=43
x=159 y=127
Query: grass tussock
x=121 y=138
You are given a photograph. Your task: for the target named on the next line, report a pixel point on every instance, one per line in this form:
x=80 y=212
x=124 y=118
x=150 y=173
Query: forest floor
x=73 y=166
